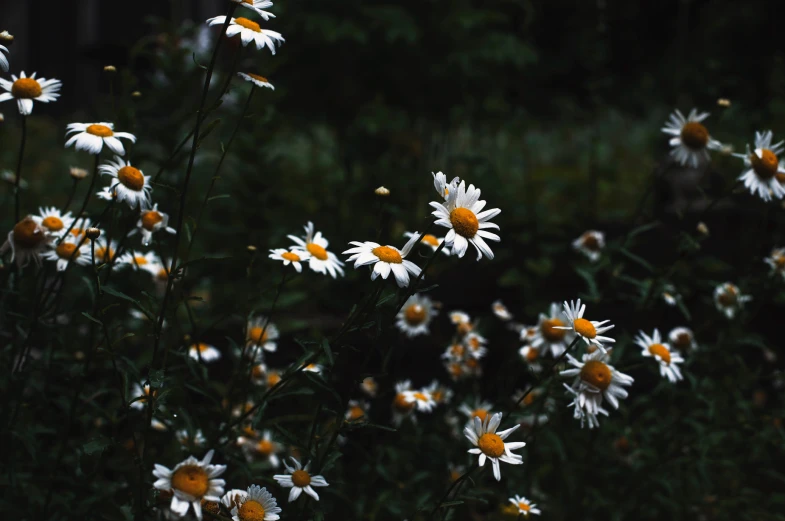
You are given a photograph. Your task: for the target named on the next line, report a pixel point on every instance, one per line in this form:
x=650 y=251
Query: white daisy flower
x=653 y=346
x=455 y=352
x=261 y=334
x=249 y=31
x=91 y=137
x=729 y=300
x=462 y=213
x=594 y=380
x=402 y=405
x=104 y=252
x=588 y=330
x=257 y=505
x=313 y=368
x=682 y=339
x=55 y=222
x=762 y=167
x=691 y=141
x=290 y=257
x=462 y=321
x=299 y=480
x=68 y=251
x=151 y=221
x=440 y=393
x=80 y=227
x=524 y=506
x=3 y=59
x=190 y=482
x=139 y=396
x=548 y=335
x=258 y=6
x=205 y=352
x=491 y=445
x=776 y=261
x=26 y=90
x=232 y=498
x=385 y=259
x=581 y=413
x=500 y=310
x=259 y=81
x=107 y=193
x=185 y=438
x=129 y=182
x=590 y=244
x=357 y=410
x=148 y=262
x=475 y=343
x=669 y=295
x=321 y=260
x=443 y=188
x=26 y=240
x=479 y=409
x=369 y=386
x=415 y=316
x=430 y=241
x=422 y=399
x=262 y=448
x=531 y=356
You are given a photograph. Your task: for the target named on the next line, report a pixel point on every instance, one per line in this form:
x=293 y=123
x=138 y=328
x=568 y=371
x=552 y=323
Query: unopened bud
x=702 y=228
x=251 y=248
x=110 y=68
x=6 y=37
x=382 y=191
x=136 y=94
x=77 y=173
x=93 y=233
x=723 y=102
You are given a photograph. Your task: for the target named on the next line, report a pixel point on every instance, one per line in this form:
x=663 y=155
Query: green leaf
x=90 y=317
x=120 y=294
x=627 y=253
x=97 y=444
x=327 y=351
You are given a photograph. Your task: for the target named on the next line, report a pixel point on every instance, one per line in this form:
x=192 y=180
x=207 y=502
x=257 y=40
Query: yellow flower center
x=464 y=222
x=523 y=506
x=292 y=257
x=27 y=234
x=257 y=335
x=591 y=242
x=300 y=478
x=529 y=399
x=694 y=135
x=251 y=510
x=779 y=261
x=387 y=254
x=273 y=379
x=162 y=274
x=249 y=2
x=131 y=178
x=192 y=480
x=257 y=371
x=104 y=254
x=491 y=445
x=474 y=343
x=549 y=331
x=420 y=397
x=248 y=24
x=728 y=297
x=455 y=370
x=766 y=165
x=26 y=88
x=472 y=363
x=464 y=328
x=151 y=218
x=683 y=341
x=356 y=412
x=264 y=447
x=139 y=260
x=661 y=351
x=457 y=350
x=52 y=223
x=64 y=250
x=258 y=78
x=202 y=347
x=99 y=130
x=480 y=413
x=430 y=240
x=584 y=328
x=415 y=314
x=597 y=374
x=316 y=250
x=401 y=404
x=532 y=354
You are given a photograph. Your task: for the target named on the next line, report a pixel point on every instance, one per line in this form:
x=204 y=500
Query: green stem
x=18 y=178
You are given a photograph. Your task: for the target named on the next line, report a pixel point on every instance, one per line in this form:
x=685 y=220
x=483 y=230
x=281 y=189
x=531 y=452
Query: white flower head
x=729 y=300
x=356 y=411
x=501 y=311
x=249 y=31
x=422 y=398
x=26 y=90
x=255 y=79
x=524 y=506
x=776 y=261
x=27 y=240
x=190 y=482
x=691 y=141
x=261 y=334
x=151 y=221
x=548 y=333
x=763 y=170
x=595 y=379
x=139 y=396
x=204 y=352
x=256 y=505
x=129 y=183
x=369 y=386
x=258 y=6
x=442 y=187
x=320 y=260
x=68 y=250
x=299 y=480
x=431 y=241
x=293 y=257
x=589 y=330
x=490 y=444
x=462 y=213
x=385 y=259
x=55 y=222
x=415 y=316
x=653 y=346
x=148 y=262
x=402 y=404
x=683 y=339
x=91 y=137
x=591 y=244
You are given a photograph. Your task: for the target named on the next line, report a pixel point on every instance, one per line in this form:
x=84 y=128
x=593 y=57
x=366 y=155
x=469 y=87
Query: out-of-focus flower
x=255 y=79
x=591 y=244
x=205 y=352
x=653 y=346
x=415 y=316
x=26 y=240
x=524 y=506
x=762 y=167
x=691 y=141
x=682 y=339
x=729 y=300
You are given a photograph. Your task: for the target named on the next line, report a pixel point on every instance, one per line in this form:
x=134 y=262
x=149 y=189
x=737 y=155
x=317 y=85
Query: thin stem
x=86 y=199
x=71 y=196
x=18 y=178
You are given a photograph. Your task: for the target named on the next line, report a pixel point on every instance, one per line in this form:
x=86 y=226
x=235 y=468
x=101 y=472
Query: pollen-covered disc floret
x=729 y=300
x=589 y=330
x=151 y=221
x=257 y=504
x=128 y=182
x=490 y=444
x=204 y=352
x=548 y=333
x=462 y=213
x=68 y=250
x=27 y=240
x=299 y=480
x=385 y=259
x=653 y=346
x=258 y=6
x=261 y=334
x=776 y=261
x=257 y=80
x=293 y=257
x=415 y=316
x=524 y=506
x=595 y=379
x=249 y=31
x=91 y=137
x=591 y=244
x=691 y=141
x=320 y=260
x=762 y=167
x=54 y=221
x=25 y=90
x=190 y=482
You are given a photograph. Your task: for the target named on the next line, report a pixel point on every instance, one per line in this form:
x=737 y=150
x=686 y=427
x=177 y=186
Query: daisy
x=258 y=6
x=66 y=251
x=299 y=480
x=187 y=440
x=249 y=31
x=261 y=334
x=776 y=261
x=462 y=321
x=440 y=393
x=729 y=300
x=290 y=257
x=205 y=352
x=257 y=505
x=151 y=221
x=462 y=213
x=548 y=335
x=669 y=295
x=422 y=398
x=26 y=240
x=588 y=330
x=594 y=380
x=131 y=184
x=479 y=410
x=491 y=445
x=356 y=410
x=91 y=137
x=148 y=262
x=259 y=81
x=443 y=188
x=320 y=260
x=402 y=405
x=581 y=413
x=3 y=59
x=55 y=222
x=691 y=141
x=430 y=241
x=415 y=316
x=80 y=227
x=475 y=344
x=313 y=368
x=590 y=244
x=107 y=193
x=682 y=339
x=653 y=346
x=140 y=395
x=273 y=377
x=369 y=386
x=105 y=252
x=26 y=90
x=232 y=498
x=259 y=374
x=455 y=352
x=524 y=506
x=500 y=310
x=531 y=355
x=190 y=482
x=762 y=167
x=263 y=448
x=385 y=259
